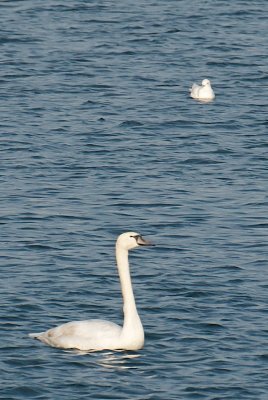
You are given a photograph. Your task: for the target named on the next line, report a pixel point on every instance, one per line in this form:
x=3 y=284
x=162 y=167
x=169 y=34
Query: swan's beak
x=143 y=242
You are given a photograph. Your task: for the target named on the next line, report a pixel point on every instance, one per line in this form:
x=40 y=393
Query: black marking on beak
x=142 y=242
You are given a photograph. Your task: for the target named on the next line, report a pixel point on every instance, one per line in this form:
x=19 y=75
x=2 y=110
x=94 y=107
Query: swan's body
x=203 y=92
x=99 y=334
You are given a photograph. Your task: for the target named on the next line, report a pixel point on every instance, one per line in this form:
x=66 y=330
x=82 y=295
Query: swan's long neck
x=125 y=280
x=132 y=327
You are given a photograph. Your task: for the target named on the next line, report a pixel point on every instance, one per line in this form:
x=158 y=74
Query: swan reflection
x=110 y=359
x=118 y=360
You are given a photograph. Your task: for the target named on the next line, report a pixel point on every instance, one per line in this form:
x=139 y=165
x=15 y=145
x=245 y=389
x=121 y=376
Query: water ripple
x=99 y=135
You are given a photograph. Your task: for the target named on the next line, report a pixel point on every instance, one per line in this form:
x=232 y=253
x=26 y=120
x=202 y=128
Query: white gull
x=203 y=92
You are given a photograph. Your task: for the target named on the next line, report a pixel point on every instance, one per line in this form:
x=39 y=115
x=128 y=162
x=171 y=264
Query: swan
x=203 y=92
x=97 y=334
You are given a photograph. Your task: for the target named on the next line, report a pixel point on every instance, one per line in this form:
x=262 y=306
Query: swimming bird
x=203 y=92
x=100 y=334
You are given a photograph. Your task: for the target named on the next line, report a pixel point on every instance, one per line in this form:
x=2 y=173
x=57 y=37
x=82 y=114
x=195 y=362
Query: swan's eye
x=139 y=240
x=136 y=237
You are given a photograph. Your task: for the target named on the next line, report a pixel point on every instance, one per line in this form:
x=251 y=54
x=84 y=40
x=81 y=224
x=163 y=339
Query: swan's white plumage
x=100 y=334
x=203 y=92
x=82 y=335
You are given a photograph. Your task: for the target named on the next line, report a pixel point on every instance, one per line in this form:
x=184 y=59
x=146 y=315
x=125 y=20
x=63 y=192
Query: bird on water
x=203 y=92
x=96 y=334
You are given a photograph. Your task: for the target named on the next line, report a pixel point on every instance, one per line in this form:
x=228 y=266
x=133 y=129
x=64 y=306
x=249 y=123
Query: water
x=99 y=136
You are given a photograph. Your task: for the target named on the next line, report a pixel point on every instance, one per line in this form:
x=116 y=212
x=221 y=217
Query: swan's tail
x=34 y=335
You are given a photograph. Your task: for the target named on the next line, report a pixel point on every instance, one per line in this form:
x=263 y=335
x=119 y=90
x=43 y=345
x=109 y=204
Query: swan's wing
x=85 y=329
x=82 y=335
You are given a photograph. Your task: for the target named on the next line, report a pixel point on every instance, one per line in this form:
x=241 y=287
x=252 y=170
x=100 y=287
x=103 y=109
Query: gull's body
x=100 y=334
x=203 y=92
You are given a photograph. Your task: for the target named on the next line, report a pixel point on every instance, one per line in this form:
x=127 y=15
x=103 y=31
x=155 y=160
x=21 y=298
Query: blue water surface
x=98 y=135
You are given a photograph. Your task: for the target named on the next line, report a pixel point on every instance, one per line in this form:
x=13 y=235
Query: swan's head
x=130 y=240
x=205 y=82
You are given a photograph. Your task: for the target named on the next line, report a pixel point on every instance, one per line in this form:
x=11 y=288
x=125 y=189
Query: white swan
x=99 y=334
x=203 y=92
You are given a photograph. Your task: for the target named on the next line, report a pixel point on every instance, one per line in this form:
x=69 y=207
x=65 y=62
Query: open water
x=99 y=136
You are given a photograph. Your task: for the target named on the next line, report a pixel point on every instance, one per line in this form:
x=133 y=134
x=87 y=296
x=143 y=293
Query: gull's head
x=130 y=240
x=205 y=82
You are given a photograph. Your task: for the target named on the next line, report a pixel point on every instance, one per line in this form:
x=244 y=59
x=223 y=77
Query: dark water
x=99 y=136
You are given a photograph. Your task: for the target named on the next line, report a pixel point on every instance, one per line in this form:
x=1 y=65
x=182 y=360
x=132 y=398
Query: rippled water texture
x=99 y=136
